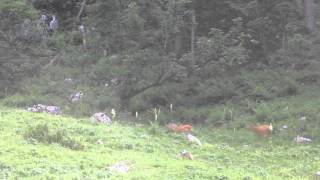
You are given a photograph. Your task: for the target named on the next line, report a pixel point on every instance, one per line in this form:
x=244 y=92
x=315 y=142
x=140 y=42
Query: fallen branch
x=53 y=60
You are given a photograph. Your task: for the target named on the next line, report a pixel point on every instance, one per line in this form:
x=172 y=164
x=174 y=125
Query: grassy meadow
x=42 y=146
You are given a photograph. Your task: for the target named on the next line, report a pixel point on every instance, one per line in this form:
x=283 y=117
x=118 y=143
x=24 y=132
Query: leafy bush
x=263 y=113
x=194 y=115
x=139 y=104
x=23 y=101
x=18 y=7
x=79 y=109
x=221 y=115
x=41 y=133
x=289 y=88
x=216 y=117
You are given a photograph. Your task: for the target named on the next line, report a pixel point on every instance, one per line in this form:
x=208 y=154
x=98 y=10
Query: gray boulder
x=101 y=117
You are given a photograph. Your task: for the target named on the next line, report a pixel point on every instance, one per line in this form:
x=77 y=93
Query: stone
x=101 y=117
x=121 y=167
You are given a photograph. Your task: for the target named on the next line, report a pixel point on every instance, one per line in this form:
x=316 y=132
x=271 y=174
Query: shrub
x=281 y=115
x=154 y=128
x=216 y=116
x=194 y=115
x=23 y=101
x=18 y=9
x=139 y=104
x=289 y=88
x=80 y=109
x=221 y=115
x=41 y=133
x=263 y=113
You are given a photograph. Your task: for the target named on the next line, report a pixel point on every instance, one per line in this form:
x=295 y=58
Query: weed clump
x=41 y=133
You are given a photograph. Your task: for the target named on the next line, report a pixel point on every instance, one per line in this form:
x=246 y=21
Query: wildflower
x=113 y=113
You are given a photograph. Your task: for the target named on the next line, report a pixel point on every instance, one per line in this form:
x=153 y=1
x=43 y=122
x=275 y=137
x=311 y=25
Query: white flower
x=113 y=112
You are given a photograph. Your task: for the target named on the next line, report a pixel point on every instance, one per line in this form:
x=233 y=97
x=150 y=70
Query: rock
x=114 y=57
x=75 y=97
x=303 y=118
x=300 y=139
x=101 y=117
x=32 y=109
x=40 y=107
x=317 y=175
x=99 y=141
x=284 y=127
x=121 y=167
x=115 y=82
x=186 y=155
x=193 y=139
x=55 y=110
x=68 y=80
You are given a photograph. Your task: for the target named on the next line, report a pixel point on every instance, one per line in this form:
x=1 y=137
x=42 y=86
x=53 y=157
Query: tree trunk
x=166 y=36
x=78 y=17
x=193 y=27
x=309 y=15
x=178 y=44
x=192 y=43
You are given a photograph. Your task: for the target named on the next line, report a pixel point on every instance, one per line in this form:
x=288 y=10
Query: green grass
x=153 y=151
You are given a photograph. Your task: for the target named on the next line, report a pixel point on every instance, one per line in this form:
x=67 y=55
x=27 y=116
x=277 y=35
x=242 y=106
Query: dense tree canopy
x=158 y=51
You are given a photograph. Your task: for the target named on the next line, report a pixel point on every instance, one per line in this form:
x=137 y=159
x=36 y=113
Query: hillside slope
x=151 y=152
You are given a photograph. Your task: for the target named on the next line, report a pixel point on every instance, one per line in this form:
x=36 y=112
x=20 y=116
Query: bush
x=23 y=101
x=138 y=104
x=289 y=88
x=221 y=115
x=216 y=117
x=41 y=133
x=19 y=8
x=263 y=113
x=194 y=115
x=79 y=109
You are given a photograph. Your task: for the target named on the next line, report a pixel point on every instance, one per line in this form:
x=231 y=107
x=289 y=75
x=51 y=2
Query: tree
x=266 y=23
x=309 y=14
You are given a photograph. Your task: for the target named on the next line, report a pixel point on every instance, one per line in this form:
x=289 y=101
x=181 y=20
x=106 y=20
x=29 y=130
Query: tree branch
x=83 y=4
x=159 y=81
x=54 y=59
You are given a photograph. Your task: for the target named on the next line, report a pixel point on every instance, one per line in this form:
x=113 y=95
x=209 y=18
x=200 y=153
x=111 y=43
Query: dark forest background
x=137 y=55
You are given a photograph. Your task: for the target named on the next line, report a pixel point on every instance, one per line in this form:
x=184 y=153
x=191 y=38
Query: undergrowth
x=41 y=133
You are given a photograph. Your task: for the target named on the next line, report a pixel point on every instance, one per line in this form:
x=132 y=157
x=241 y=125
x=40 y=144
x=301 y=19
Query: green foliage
x=289 y=90
x=13 y=66
x=57 y=41
x=17 y=7
x=216 y=117
x=155 y=128
x=41 y=133
x=263 y=113
x=242 y=50
x=192 y=115
x=11 y=71
x=23 y=101
x=109 y=67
